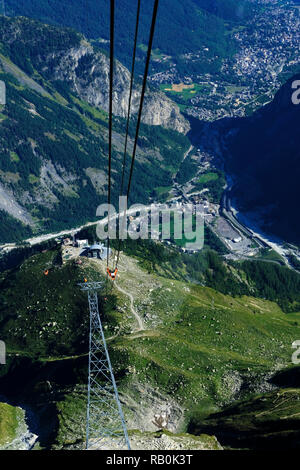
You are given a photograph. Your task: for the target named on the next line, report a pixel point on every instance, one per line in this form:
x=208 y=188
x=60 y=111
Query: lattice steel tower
x=105 y=419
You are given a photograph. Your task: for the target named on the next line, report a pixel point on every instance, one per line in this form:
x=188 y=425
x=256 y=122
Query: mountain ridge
x=176 y=23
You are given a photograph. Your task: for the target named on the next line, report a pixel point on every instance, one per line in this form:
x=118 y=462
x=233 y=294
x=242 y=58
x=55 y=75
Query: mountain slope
x=54 y=143
x=61 y=54
x=182 y=27
x=199 y=350
x=265 y=422
x=264 y=155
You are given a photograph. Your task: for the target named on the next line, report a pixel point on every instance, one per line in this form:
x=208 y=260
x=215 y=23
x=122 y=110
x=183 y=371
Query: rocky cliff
x=86 y=71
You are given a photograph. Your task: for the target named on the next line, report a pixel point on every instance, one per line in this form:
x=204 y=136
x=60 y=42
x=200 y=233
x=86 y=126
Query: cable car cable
x=130 y=93
x=150 y=42
x=143 y=93
x=128 y=120
x=111 y=79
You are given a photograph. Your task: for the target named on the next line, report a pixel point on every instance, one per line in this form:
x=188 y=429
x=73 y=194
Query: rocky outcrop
x=63 y=54
x=15 y=434
x=9 y=204
x=161 y=111
x=161 y=440
x=87 y=72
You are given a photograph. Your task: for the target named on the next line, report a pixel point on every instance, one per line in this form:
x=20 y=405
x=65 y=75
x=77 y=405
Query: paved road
x=72 y=231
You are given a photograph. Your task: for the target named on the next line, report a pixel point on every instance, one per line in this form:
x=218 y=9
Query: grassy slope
x=198 y=348
x=197 y=336
x=52 y=304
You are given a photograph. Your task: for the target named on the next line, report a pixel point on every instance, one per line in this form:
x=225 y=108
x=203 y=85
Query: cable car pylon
x=105 y=424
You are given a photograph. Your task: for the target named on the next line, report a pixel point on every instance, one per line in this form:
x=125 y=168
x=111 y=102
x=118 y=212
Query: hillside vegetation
x=199 y=349
x=54 y=144
x=10 y=421
x=182 y=27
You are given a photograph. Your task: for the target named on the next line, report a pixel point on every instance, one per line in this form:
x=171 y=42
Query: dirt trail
x=138 y=318
x=134 y=312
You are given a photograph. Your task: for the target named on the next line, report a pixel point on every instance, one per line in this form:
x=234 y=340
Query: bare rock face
x=64 y=55
x=87 y=72
x=161 y=440
x=161 y=111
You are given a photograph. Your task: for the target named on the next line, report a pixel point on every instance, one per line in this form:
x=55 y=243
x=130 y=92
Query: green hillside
x=10 y=421
x=181 y=26
x=199 y=349
x=54 y=145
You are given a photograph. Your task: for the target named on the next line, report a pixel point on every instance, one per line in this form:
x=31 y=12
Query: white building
x=82 y=243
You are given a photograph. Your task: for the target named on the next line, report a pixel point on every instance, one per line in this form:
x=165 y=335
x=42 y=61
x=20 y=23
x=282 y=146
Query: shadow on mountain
x=267 y=422
x=263 y=152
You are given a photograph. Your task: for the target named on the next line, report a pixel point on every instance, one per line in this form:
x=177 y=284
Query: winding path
x=134 y=312
x=139 y=320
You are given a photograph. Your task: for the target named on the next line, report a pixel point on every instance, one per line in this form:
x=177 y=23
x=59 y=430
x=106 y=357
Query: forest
x=177 y=22
x=72 y=139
